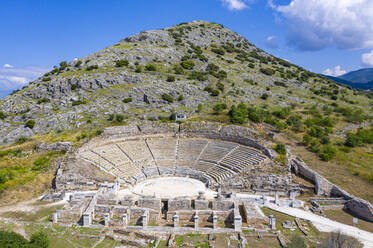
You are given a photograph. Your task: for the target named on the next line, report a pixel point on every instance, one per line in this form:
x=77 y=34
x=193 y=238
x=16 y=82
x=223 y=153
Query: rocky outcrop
x=57 y=146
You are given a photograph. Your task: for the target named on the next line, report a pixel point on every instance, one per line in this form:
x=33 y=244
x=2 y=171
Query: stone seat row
x=134 y=160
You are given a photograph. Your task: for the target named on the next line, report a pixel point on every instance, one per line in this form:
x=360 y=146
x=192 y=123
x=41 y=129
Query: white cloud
x=271 y=42
x=367 y=59
x=335 y=72
x=12 y=78
x=8 y=66
x=235 y=4
x=316 y=24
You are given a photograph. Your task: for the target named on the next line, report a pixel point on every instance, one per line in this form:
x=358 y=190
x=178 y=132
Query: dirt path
x=29 y=206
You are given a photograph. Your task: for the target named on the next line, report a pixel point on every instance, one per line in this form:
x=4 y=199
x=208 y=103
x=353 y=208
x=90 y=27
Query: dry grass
x=338 y=170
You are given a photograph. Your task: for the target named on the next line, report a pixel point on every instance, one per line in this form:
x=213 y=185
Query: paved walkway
x=326 y=225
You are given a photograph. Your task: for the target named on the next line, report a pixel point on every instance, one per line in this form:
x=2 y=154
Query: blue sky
x=329 y=36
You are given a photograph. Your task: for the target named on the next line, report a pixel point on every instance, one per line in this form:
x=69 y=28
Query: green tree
x=121 y=63
x=119 y=118
x=239 y=114
x=280 y=148
x=307 y=139
x=12 y=240
x=39 y=240
x=218 y=108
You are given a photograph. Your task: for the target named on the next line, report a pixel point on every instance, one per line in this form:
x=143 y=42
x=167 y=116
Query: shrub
x=264 y=96
x=12 y=239
x=239 y=114
x=127 y=100
x=63 y=65
x=283 y=113
x=92 y=67
x=178 y=69
x=307 y=139
x=257 y=115
x=267 y=71
x=138 y=69
x=280 y=148
x=295 y=121
x=119 y=118
x=171 y=79
x=354 y=140
x=199 y=108
x=221 y=74
x=180 y=98
x=121 y=63
x=150 y=67
x=30 y=124
x=220 y=86
x=198 y=75
x=74 y=87
x=46 y=79
x=78 y=102
x=43 y=100
x=328 y=152
x=212 y=91
x=251 y=65
x=187 y=64
x=218 y=51
x=39 y=240
x=2 y=115
x=111 y=117
x=167 y=98
x=219 y=107
x=212 y=68
x=78 y=63
x=281 y=84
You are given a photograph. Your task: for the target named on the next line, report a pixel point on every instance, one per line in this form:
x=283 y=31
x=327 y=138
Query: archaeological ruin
x=187 y=177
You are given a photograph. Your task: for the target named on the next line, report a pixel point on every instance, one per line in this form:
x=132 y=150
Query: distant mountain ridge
x=360 y=76
x=360 y=79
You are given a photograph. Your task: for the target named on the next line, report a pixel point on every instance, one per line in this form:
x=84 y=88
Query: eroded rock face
x=57 y=146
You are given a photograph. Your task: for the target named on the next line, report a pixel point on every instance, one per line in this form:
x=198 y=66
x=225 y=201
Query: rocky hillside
x=185 y=68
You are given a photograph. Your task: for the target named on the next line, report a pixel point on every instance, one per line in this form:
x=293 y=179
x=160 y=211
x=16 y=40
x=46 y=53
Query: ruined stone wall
x=354 y=205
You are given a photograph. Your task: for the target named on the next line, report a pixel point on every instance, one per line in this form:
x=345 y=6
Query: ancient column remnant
x=124 y=220
x=107 y=219
x=87 y=219
x=237 y=223
x=277 y=200
x=214 y=222
x=196 y=219
x=55 y=217
x=176 y=220
x=144 y=219
x=272 y=222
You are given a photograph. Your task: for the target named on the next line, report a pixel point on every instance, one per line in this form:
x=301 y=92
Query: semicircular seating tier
x=210 y=161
